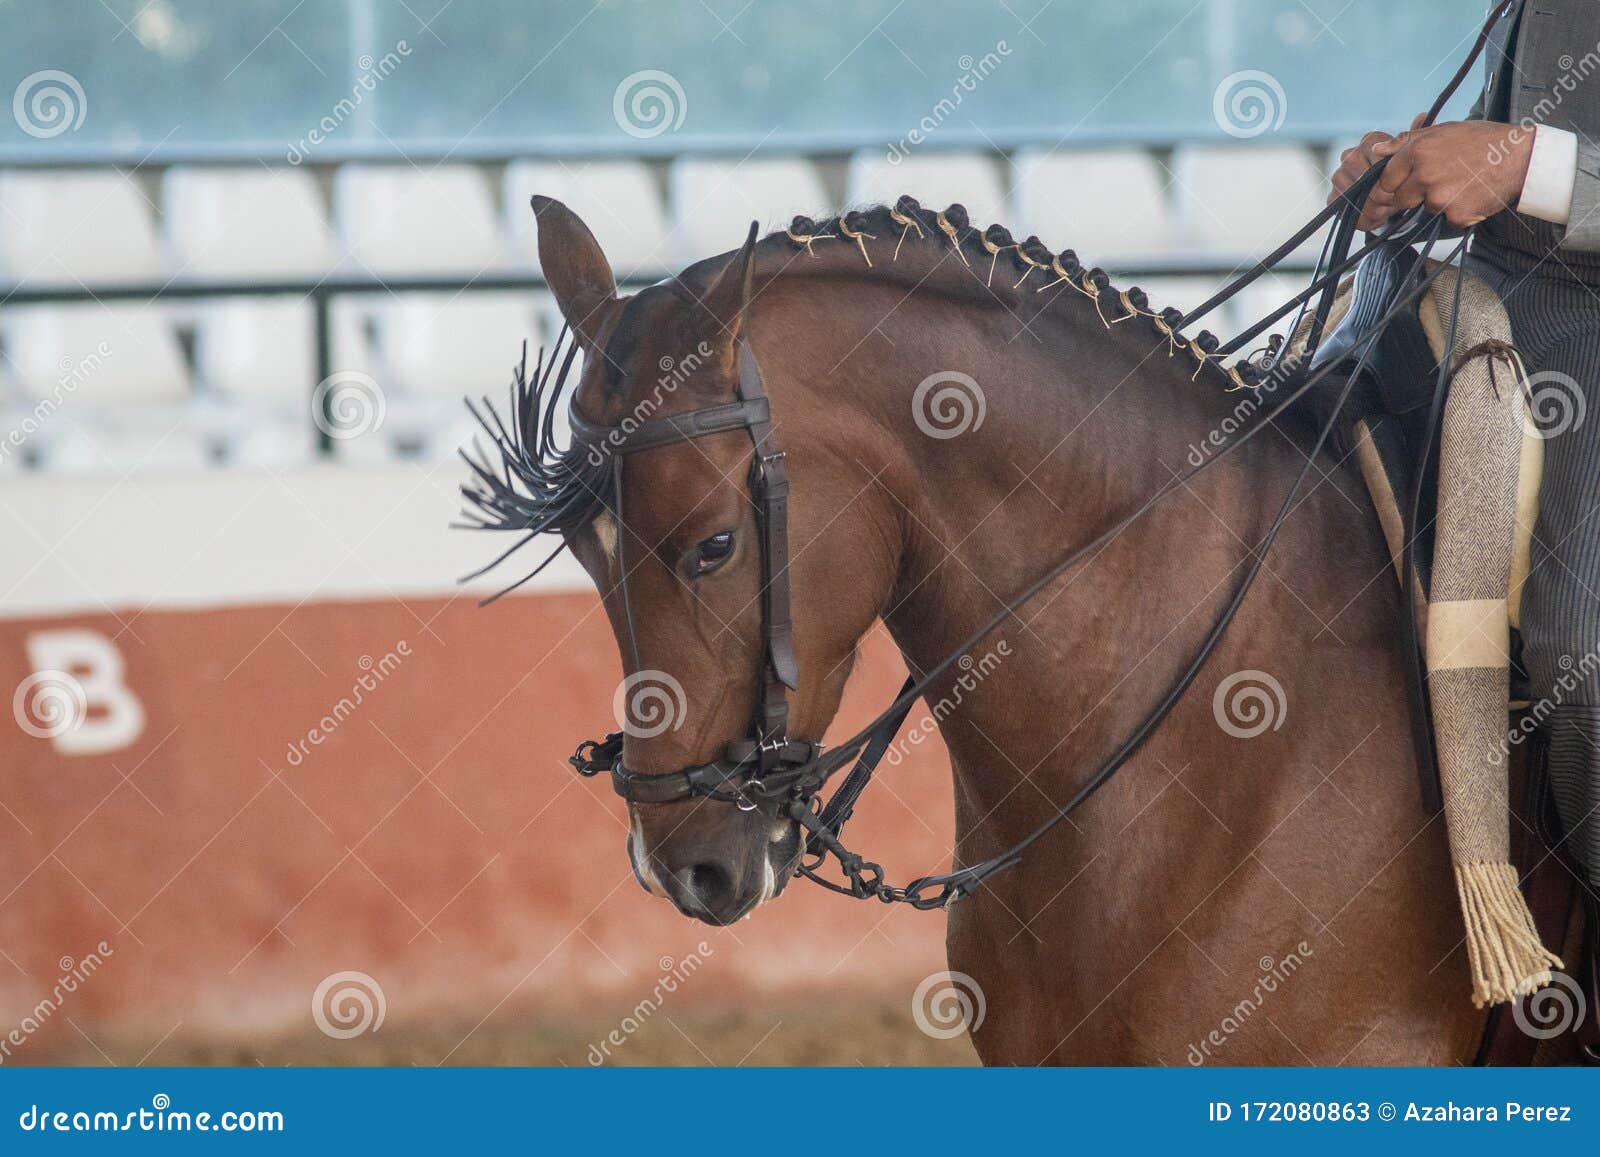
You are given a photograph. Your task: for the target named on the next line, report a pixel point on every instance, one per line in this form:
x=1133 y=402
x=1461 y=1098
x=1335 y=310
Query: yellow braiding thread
x=1238 y=381
x=1133 y=310
x=906 y=225
x=949 y=231
x=1030 y=263
x=1173 y=340
x=807 y=239
x=1086 y=287
x=1061 y=276
x=1092 y=291
x=994 y=252
x=857 y=236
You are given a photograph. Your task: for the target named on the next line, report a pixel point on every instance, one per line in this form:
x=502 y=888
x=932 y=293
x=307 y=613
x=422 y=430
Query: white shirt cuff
x=1552 y=175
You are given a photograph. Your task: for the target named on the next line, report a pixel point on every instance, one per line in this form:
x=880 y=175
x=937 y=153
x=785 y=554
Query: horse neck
x=1081 y=423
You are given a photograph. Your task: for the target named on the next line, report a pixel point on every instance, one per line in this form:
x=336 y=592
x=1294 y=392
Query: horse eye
x=712 y=552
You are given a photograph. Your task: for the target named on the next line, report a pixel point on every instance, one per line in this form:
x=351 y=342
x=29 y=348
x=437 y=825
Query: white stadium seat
x=113 y=381
x=246 y=223
x=397 y=220
x=1242 y=200
x=454 y=344
x=15 y=419
x=1106 y=204
x=432 y=351
x=261 y=348
x=618 y=200
x=256 y=359
x=90 y=227
x=934 y=179
x=714 y=200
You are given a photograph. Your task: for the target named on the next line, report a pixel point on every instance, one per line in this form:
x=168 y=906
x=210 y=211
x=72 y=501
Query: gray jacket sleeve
x=1582 y=233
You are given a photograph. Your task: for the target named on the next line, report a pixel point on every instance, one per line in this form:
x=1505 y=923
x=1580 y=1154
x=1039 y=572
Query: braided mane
x=1020 y=266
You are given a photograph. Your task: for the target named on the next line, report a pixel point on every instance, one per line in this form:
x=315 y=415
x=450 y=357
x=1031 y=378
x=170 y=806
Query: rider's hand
x=1355 y=161
x=1467 y=170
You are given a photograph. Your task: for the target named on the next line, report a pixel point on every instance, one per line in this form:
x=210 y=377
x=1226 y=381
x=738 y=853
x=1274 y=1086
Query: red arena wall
x=260 y=797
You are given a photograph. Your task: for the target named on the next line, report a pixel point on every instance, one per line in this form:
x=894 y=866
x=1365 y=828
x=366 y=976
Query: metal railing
x=321 y=292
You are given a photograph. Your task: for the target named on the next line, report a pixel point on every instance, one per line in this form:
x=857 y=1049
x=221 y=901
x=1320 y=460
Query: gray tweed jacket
x=1543 y=65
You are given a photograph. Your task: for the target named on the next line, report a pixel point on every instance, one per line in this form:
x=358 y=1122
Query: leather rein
x=783 y=776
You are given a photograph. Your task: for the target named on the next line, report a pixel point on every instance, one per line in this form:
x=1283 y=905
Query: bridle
x=741 y=775
x=783 y=777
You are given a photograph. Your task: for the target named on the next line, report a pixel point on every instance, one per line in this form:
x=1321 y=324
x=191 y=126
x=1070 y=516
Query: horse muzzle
x=716 y=868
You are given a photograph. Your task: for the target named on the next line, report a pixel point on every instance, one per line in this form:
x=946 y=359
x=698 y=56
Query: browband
x=653 y=432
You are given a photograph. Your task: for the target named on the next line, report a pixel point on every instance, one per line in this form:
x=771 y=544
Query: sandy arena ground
x=813 y=1034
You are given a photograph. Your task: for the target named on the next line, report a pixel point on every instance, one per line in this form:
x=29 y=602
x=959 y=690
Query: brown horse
x=1260 y=883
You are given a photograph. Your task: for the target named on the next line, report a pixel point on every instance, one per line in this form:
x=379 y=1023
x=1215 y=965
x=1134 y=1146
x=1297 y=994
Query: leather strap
x=743 y=414
x=769 y=488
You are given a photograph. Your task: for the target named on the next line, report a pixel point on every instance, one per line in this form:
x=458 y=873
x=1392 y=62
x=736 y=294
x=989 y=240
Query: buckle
x=596 y=755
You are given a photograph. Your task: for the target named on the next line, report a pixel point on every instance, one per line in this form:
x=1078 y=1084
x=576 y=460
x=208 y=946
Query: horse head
x=672 y=541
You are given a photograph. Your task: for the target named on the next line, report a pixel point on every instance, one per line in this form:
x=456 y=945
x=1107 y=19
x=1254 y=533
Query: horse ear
x=728 y=296
x=575 y=267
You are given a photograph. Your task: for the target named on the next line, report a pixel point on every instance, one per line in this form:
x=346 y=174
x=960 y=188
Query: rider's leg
x=1561 y=601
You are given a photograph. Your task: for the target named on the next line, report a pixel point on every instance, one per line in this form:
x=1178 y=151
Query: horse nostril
x=704 y=888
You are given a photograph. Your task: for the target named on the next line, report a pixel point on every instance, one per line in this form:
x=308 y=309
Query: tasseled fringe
x=1503 y=946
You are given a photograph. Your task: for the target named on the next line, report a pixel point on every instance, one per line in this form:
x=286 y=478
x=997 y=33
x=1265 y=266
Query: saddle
x=1392 y=426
